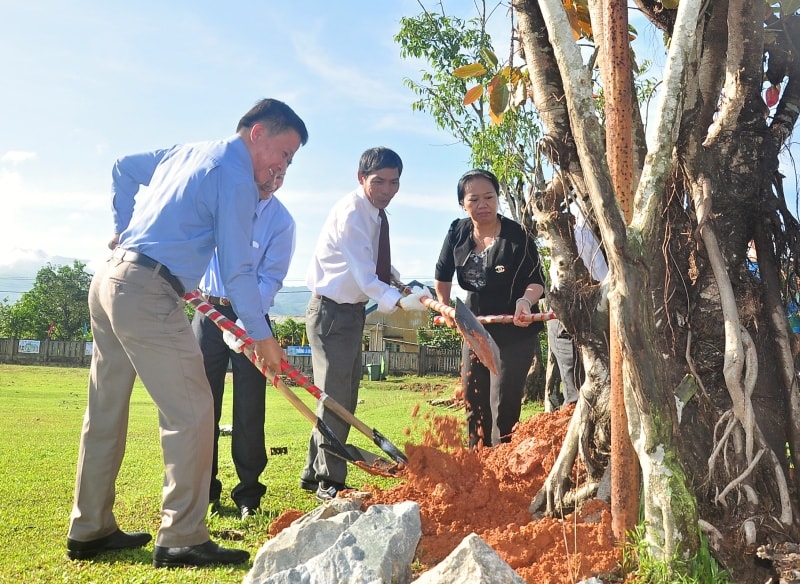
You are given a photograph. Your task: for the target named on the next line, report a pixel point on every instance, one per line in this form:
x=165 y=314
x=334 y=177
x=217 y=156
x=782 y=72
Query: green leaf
x=472 y=70
x=489 y=57
x=669 y=4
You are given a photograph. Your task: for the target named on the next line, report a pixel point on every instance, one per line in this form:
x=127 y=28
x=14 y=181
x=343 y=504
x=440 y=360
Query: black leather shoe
x=197 y=555
x=214 y=508
x=119 y=540
x=310 y=485
x=246 y=511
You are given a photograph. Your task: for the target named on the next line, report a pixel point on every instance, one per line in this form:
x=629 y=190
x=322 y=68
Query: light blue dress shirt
x=272 y=247
x=199 y=197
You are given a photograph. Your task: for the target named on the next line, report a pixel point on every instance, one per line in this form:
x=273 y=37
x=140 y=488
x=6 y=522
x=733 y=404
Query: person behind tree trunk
x=497 y=263
x=561 y=343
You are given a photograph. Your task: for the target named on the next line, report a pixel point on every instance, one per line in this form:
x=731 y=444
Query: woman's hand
x=523 y=309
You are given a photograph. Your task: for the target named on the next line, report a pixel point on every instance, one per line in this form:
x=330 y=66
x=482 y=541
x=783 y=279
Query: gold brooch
x=500 y=269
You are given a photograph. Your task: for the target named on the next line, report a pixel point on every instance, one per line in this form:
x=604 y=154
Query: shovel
x=361 y=458
x=379 y=439
x=474 y=333
x=506 y=318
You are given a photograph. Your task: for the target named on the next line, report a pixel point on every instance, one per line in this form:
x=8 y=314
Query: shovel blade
x=334 y=445
x=365 y=460
x=477 y=337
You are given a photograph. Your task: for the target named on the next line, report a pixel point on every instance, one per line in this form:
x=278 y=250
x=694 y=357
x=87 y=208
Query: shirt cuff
x=388 y=302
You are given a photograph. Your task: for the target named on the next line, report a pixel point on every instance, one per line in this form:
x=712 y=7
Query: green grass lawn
x=41 y=411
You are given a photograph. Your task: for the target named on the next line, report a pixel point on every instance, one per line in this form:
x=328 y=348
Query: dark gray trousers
x=494 y=402
x=335 y=334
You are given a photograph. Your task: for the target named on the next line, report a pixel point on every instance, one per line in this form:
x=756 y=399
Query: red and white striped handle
x=505 y=318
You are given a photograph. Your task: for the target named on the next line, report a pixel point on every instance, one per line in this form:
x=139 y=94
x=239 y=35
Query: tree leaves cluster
x=493 y=117
x=56 y=307
x=438 y=336
x=289 y=332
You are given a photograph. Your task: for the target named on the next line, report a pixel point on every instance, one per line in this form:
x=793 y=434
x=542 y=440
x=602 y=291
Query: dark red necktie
x=384 y=266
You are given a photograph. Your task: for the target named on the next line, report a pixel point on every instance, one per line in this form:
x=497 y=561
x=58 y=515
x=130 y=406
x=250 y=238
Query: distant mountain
x=18 y=270
x=19 y=278
x=291 y=301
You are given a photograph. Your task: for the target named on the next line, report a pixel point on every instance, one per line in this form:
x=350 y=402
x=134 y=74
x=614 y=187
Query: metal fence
x=428 y=361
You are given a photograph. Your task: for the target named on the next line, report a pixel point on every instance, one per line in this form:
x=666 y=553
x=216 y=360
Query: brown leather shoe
x=119 y=540
x=203 y=554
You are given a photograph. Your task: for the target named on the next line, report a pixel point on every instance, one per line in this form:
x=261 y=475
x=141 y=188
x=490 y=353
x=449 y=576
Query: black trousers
x=494 y=402
x=248 y=448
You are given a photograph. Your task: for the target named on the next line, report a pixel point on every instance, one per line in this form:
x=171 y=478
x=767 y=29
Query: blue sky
x=87 y=82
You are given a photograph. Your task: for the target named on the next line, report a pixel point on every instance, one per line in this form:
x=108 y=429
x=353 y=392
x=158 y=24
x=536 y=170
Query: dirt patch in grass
x=427 y=387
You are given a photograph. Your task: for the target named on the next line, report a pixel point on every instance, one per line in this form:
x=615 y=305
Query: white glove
x=234 y=342
x=414 y=300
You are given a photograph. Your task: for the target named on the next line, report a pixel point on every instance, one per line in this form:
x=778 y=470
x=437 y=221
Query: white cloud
x=62 y=223
x=17 y=156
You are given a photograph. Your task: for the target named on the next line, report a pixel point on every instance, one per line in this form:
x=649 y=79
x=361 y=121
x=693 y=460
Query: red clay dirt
x=488 y=491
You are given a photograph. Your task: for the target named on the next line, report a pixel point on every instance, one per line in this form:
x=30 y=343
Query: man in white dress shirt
x=343 y=277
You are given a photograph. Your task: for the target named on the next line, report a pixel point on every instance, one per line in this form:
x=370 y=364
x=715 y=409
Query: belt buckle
x=223 y=301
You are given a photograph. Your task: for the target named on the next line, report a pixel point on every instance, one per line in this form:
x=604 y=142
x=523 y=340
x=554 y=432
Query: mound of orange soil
x=488 y=492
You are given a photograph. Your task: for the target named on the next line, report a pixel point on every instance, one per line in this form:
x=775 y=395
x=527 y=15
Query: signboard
x=31 y=347
x=88 y=347
x=295 y=351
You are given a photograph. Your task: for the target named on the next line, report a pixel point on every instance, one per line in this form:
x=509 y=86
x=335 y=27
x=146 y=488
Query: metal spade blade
x=477 y=337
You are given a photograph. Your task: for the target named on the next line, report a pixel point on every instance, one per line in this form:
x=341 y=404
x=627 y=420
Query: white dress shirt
x=343 y=265
x=588 y=249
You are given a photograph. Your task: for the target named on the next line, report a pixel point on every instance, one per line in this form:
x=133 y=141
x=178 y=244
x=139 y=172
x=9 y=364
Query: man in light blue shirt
x=272 y=248
x=199 y=197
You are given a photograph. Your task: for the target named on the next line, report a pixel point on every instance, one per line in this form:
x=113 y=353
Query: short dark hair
x=476 y=173
x=375 y=159
x=276 y=116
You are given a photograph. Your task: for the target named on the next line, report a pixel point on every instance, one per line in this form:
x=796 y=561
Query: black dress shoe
x=214 y=508
x=197 y=555
x=310 y=485
x=119 y=540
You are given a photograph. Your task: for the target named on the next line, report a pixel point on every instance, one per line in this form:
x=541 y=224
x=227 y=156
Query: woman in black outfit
x=497 y=263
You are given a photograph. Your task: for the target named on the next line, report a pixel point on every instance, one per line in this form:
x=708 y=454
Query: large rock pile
x=338 y=542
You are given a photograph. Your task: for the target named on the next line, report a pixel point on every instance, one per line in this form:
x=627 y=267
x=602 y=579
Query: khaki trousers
x=140 y=328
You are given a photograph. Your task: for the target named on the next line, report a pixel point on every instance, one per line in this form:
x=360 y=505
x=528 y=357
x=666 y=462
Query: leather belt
x=326 y=299
x=140 y=259
x=218 y=300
